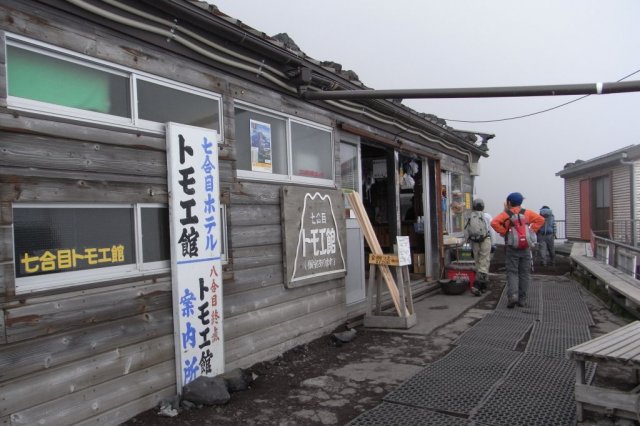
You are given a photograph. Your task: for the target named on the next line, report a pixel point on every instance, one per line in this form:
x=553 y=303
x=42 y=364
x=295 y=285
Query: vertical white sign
x=196 y=268
x=404 y=250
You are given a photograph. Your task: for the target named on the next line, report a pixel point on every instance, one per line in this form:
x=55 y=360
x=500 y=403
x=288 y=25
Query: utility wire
x=533 y=113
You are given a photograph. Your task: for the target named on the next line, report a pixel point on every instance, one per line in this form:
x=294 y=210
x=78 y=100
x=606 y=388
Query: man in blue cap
x=519 y=227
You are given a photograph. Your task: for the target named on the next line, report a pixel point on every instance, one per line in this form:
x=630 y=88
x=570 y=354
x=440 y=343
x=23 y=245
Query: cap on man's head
x=515 y=198
x=478 y=204
x=544 y=207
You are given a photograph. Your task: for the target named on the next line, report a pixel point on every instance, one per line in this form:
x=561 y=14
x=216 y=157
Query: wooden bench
x=621 y=348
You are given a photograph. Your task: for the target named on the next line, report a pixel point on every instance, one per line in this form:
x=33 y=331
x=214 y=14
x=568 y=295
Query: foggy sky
x=409 y=44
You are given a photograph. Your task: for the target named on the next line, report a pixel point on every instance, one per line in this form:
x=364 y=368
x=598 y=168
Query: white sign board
x=404 y=251
x=196 y=267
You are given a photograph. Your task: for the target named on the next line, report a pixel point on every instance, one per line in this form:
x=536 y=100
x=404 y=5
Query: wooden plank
x=253 y=215
x=254 y=236
x=604 y=342
x=252 y=279
x=26 y=392
x=255 y=193
x=32 y=151
x=367 y=229
x=6 y=243
x=82 y=176
x=607 y=398
x=7 y=280
x=126 y=411
x=249 y=257
x=3 y=330
x=82 y=405
x=25 y=189
x=29 y=357
x=245 y=302
x=31 y=319
x=81 y=132
x=6 y=214
x=270 y=342
x=259 y=319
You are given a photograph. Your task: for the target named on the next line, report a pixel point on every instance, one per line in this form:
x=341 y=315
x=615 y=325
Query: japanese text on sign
x=196 y=265
x=61 y=259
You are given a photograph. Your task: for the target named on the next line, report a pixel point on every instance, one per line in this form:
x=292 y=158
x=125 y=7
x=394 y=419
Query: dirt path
x=328 y=383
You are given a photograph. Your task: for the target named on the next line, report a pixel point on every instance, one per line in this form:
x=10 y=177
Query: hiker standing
x=477 y=232
x=546 y=237
x=519 y=227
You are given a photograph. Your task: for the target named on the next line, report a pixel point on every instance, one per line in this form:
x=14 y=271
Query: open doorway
x=378 y=193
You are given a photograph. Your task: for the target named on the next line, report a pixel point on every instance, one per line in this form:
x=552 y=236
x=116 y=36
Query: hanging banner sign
x=314 y=230
x=196 y=267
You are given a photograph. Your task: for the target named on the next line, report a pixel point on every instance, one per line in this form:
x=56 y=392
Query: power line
x=533 y=113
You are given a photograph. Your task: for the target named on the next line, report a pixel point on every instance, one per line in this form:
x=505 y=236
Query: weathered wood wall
x=104 y=352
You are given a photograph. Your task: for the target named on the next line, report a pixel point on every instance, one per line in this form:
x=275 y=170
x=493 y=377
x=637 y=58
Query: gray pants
x=547 y=248
x=518 y=263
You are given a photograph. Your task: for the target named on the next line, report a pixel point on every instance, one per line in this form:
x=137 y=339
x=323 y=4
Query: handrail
x=620 y=255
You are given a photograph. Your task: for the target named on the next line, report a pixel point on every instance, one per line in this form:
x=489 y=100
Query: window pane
x=311 y=152
x=155 y=234
x=50 y=240
x=162 y=104
x=349 y=166
x=44 y=78
x=253 y=130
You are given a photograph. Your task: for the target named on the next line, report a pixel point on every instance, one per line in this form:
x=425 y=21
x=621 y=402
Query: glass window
x=349 y=166
x=79 y=244
x=44 y=78
x=162 y=104
x=453 y=203
x=263 y=142
x=457 y=203
x=155 y=234
x=311 y=151
x=50 y=240
x=253 y=132
x=47 y=80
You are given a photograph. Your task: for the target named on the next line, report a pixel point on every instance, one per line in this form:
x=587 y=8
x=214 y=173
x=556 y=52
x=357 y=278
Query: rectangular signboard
x=314 y=230
x=196 y=267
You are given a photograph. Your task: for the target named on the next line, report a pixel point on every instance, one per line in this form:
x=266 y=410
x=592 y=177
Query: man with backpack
x=477 y=232
x=518 y=226
x=546 y=237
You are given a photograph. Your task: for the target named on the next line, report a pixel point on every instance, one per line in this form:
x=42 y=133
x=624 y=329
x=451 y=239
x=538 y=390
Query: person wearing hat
x=546 y=237
x=518 y=261
x=477 y=231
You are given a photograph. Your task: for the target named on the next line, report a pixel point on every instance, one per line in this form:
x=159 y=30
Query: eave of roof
x=628 y=153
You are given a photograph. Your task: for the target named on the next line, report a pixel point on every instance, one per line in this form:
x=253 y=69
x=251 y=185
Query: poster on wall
x=196 y=266
x=314 y=230
x=260 y=146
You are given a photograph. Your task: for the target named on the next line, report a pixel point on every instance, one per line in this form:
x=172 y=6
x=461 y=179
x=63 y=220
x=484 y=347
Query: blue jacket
x=549 y=227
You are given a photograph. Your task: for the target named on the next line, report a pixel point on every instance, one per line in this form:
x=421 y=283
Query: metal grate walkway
x=489 y=379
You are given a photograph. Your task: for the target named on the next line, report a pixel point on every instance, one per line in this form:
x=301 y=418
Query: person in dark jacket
x=546 y=237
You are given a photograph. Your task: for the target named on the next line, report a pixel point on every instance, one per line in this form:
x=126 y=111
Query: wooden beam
x=372 y=240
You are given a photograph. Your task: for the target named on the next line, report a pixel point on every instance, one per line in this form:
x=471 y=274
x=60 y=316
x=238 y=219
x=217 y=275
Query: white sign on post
x=404 y=251
x=196 y=267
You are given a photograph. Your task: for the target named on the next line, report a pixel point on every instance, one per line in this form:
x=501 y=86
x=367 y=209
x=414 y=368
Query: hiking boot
x=521 y=303
x=510 y=305
x=475 y=291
